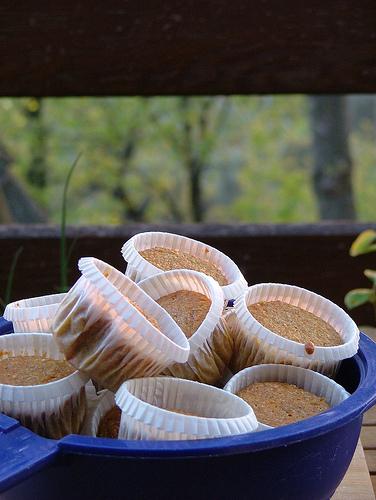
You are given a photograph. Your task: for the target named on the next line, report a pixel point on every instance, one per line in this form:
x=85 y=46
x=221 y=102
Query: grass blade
x=64 y=258
x=8 y=289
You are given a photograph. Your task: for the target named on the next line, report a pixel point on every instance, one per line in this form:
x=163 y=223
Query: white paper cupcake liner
x=33 y=315
x=104 y=335
x=208 y=363
x=92 y=399
x=133 y=274
x=145 y=405
x=255 y=344
x=310 y=381
x=53 y=409
x=211 y=344
x=97 y=408
x=139 y=268
x=168 y=282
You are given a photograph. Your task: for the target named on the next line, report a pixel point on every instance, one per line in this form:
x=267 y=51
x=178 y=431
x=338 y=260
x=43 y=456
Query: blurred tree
x=332 y=165
x=256 y=168
x=15 y=204
x=129 y=126
x=361 y=108
x=193 y=135
x=36 y=173
x=132 y=210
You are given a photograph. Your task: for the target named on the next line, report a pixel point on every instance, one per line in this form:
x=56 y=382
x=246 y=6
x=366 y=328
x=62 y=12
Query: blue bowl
x=304 y=460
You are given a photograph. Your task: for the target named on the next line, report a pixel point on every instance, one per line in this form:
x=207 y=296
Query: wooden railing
x=313 y=256
x=130 y=47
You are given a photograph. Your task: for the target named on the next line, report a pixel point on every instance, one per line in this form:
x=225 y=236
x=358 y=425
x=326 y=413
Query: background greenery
x=252 y=157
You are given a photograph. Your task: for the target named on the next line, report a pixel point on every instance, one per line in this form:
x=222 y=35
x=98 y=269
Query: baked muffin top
x=295 y=323
x=168 y=259
x=110 y=423
x=33 y=370
x=279 y=403
x=187 y=308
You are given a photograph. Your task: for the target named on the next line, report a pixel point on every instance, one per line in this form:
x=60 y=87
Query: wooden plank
x=373 y=479
x=368 y=437
x=357 y=483
x=370 y=331
x=311 y=256
x=370 y=417
x=125 y=47
x=371 y=460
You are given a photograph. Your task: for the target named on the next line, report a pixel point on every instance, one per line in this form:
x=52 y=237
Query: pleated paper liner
x=99 y=405
x=139 y=268
x=310 y=381
x=208 y=412
x=33 y=315
x=211 y=344
x=103 y=334
x=255 y=344
x=53 y=409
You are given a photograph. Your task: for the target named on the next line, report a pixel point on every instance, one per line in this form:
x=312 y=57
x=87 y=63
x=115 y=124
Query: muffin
x=38 y=387
x=33 y=315
x=174 y=409
x=107 y=327
x=284 y=394
x=188 y=309
x=295 y=323
x=109 y=424
x=195 y=302
x=33 y=370
x=168 y=259
x=103 y=415
x=291 y=325
x=150 y=253
x=279 y=403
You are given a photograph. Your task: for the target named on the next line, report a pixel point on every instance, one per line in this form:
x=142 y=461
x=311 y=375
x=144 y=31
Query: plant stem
x=63 y=241
x=8 y=290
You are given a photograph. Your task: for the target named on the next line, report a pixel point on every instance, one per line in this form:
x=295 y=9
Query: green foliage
x=363 y=149
x=364 y=243
x=371 y=275
x=359 y=296
x=256 y=153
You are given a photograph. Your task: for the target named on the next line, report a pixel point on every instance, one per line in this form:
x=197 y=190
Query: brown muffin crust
x=187 y=308
x=110 y=423
x=168 y=259
x=32 y=370
x=295 y=323
x=278 y=403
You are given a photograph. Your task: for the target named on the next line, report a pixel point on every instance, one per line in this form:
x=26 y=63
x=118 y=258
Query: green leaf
x=359 y=296
x=371 y=275
x=364 y=243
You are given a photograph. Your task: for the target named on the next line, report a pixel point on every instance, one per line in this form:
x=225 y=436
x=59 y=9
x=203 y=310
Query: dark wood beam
x=191 y=47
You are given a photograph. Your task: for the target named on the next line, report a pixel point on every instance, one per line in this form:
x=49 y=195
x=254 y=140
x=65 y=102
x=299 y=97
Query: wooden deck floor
x=368 y=435
x=368 y=438
x=356 y=484
x=360 y=480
